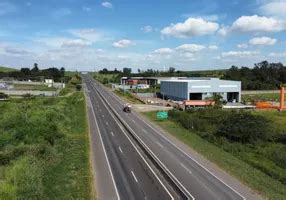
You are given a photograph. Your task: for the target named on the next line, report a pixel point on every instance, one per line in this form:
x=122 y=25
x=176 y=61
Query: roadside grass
x=44 y=149
x=251 y=176
x=128 y=97
x=33 y=87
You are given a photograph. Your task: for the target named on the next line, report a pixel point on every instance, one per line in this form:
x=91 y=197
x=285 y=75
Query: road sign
x=162 y=115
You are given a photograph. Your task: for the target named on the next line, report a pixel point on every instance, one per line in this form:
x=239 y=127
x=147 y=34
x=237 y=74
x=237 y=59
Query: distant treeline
x=263 y=76
x=35 y=74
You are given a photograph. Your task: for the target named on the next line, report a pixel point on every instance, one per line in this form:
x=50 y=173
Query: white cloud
x=147 y=29
x=274 y=8
x=123 y=43
x=278 y=55
x=89 y=34
x=213 y=47
x=164 y=51
x=76 y=43
x=257 y=23
x=239 y=54
x=191 y=27
x=190 y=48
x=86 y=9
x=262 y=41
x=223 y=31
x=106 y=4
x=242 y=46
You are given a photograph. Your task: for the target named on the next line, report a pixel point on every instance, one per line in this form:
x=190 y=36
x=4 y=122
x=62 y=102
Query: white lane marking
x=103 y=147
x=133 y=120
x=132 y=143
x=144 y=130
x=120 y=149
x=106 y=123
x=188 y=170
x=102 y=115
x=160 y=144
x=140 y=118
x=134 y=176
x=190 y=157
x=112 y=133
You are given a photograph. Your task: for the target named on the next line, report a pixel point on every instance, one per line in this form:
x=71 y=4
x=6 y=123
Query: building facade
x=201 y=89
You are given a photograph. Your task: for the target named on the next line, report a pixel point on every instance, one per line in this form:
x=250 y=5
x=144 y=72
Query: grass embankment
x=7 y=69
x=72 y=85
x=128 y=97
x=261 y=164
x=33 y=87
x=44 y=149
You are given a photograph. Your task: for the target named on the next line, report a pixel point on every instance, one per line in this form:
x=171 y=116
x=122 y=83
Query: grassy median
x=236 y=163
x=44 y=149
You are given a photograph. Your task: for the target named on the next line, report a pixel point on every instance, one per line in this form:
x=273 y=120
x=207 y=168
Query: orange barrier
x=282 y=99
x=199 y=103
x=265 y=105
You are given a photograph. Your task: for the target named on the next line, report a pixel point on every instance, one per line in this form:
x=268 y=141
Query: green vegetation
x=261 y=97
x=249 y=145
x=72 y=85
x=128 y=97
x=44 y=149
x=7 y=69
x=107 y=78
x=33 y=87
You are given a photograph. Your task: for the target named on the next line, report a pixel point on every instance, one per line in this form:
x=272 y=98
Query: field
x=7 y=69
x=258 y=162
x=44 y=149
x=273 y=97
x=33 y=87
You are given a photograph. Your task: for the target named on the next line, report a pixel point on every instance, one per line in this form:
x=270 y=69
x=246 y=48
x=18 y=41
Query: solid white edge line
x=134 y=176
x=116 y=120
x=103 y=147
x=163 y=136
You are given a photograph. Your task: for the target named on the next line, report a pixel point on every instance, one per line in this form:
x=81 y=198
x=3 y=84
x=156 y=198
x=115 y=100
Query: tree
x=36 y=68
x=171 y=70
x=26 y=71
x=126 y=71
x=63 y=70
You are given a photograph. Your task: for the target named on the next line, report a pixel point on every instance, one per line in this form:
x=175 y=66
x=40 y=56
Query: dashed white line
x=102 y=115
x=134 y=176
x=112 y=133
x=189 y=171
x=160 y=144
x=106 y=123
x=144 y=130
x=133 y=120
x=120 y=149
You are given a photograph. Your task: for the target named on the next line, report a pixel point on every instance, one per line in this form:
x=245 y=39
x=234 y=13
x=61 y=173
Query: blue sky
x=185 y=34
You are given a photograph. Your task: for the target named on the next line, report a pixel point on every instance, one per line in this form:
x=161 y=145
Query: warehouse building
x=146 y=80
x=201 y=89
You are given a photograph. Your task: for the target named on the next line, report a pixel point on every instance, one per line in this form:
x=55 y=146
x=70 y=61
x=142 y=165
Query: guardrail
x=159 y=165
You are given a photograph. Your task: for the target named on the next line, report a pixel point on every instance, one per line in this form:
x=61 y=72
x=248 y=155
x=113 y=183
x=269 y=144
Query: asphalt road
x=132 y=176
x=193 y=177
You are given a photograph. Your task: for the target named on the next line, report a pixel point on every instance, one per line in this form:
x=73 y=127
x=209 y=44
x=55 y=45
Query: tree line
x=35 y=74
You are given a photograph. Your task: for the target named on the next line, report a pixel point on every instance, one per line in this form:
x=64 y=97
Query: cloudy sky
x=185 y=34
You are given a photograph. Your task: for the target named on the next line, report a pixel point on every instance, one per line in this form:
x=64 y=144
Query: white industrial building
x=200 y=89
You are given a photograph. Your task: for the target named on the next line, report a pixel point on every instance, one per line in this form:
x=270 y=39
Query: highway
x=134 y=175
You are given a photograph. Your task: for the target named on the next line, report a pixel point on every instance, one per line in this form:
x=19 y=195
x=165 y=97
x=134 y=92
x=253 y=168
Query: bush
x=244 y=127
x=78 y=87
x=24 y=180
x=3 y=95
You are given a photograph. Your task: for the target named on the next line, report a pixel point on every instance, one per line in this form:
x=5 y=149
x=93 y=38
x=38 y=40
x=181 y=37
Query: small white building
x=201 y=88
x=49 y=82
